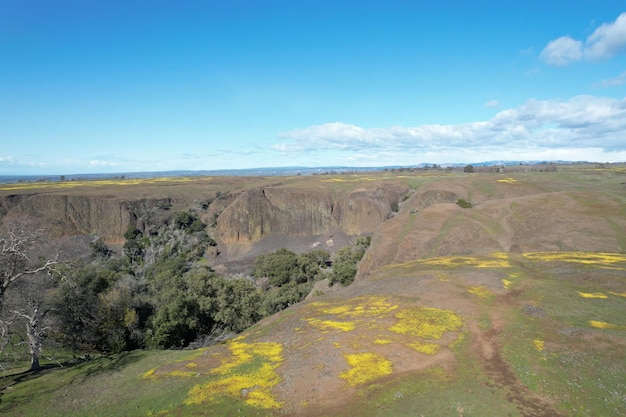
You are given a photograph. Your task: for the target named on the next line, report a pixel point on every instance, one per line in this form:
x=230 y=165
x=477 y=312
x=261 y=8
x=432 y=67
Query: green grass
x=582 y=368
x=465 y=390
x=106 y=386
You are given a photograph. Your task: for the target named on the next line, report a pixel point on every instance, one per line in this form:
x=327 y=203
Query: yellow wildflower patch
x=592 y=295
x=243 y=353
x=357 y=307
x=506 y=283
x=598 y=259
x=149 y=374
x=327 y=325
x=426 y=322
x=335 y=180
x=539 y=344
x=183 y=374
x=366 y=367
x=508 y=180
x=427 y=348
x=494 y=260
x=602 y=325
x=619 y=294
x=382 y=342
x=480 y=292
x=249 y=372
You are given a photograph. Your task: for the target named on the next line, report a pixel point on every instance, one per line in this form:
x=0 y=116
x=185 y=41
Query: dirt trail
x=487 y=348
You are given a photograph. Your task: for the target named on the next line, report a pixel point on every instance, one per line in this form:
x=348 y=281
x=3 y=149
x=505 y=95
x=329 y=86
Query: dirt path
x=487 y=348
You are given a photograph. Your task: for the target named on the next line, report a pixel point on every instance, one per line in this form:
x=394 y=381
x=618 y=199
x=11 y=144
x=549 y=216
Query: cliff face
x=106 y=217
x=243 y=216
x=300 y=212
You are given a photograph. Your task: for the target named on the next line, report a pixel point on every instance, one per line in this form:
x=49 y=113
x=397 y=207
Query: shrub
x=463 y=203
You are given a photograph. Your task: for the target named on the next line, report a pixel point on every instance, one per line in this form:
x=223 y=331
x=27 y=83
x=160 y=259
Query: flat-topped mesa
x=299 y=212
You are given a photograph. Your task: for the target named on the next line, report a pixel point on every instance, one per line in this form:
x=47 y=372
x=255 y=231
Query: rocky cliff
x=106 y=217
x=241 y=216
x=257 y=213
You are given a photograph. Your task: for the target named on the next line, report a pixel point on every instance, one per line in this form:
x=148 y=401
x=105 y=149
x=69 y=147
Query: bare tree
x=15 y=262
x=29 y=306
x=18 y=270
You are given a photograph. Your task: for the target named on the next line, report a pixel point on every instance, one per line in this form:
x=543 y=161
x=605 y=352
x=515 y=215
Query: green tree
x=463 y=203
x=310 y=265
x=77 y=307
x=279 y=267
x=238 y=304
x=277 y=299
x=118 y=319
x=188 y=221
x=345 y=264
x=134 y=245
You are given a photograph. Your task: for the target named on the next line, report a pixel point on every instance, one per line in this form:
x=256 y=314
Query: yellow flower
x=426 y=322
x=357 y=307
x=480 y=292
x=602 y=325
x=597 y=259
x=366 y=367
x=427 y=348
x=592 y=295
x=494 y=260
x=508 y=180
x=250 y=372
x=326 y=325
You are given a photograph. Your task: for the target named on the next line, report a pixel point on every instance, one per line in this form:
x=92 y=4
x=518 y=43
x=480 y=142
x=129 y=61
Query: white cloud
x=492 y=104
x=562 y=51
x=100 y=163
x=540 y=127
x=605 y=42
x=612 y=82
x=7 y=160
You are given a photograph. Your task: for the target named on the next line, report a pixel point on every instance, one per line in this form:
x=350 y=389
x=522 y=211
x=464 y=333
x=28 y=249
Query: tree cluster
x=158 y=293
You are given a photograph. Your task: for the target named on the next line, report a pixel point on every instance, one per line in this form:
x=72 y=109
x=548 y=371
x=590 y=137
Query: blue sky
x=152 y=85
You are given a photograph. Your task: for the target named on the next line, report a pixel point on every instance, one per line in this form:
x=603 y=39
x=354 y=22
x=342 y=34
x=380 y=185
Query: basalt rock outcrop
x=106 y=217
x=239 y=217
x=257 y=213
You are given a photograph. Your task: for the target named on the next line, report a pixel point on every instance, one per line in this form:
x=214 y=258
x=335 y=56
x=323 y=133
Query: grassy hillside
x=512 y=307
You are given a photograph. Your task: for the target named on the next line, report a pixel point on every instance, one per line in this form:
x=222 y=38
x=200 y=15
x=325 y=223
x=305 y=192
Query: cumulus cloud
x=606 y=41
x=562 y=51
x=583 y=122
